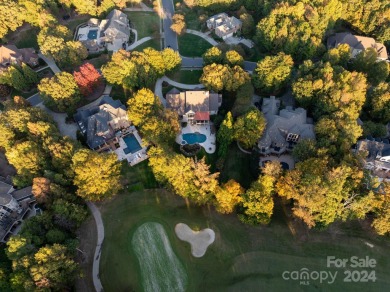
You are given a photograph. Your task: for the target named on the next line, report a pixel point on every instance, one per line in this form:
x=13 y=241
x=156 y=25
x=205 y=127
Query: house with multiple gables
x=284 y=127
x=376 y=154
x=103 y=123
x=15 y=206
x=357 y=44
x=108 y=33
x=223 y=25
x=195 y=106
x=11 y=55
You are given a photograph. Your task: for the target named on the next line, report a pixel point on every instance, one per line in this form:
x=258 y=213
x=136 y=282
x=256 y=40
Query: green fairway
x=192 y=45
x=242 y=258
x=160 y=268
x=146 y=23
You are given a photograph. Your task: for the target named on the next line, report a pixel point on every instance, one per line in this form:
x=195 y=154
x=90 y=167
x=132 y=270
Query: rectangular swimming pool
x=132 y=144
x=92 y=34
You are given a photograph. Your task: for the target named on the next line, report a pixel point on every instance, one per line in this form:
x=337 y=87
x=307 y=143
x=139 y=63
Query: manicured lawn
x=146 y=23
x=192 y=45
x=72 y=24
x=140 y=175
x=153 y=43
x=98 y=61
x=27 y=39
x=242 y=258
x=186 y=76
x=237 y=167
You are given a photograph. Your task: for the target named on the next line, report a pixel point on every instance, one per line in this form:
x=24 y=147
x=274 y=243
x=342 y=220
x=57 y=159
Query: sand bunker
x=199 y=240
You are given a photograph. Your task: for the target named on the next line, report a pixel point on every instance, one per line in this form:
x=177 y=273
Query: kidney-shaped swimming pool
x=193 y=138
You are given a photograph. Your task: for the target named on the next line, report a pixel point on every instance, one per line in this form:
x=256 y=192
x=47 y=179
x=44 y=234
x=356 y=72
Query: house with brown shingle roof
x=194 y=106
x=357 y=44
x=10 y=54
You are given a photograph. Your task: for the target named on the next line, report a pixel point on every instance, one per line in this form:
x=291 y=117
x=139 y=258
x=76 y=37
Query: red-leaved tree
x=87 y=78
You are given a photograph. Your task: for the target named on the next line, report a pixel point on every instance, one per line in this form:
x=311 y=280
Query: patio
x=284 y=159
x=209 y=144
x=132 y=158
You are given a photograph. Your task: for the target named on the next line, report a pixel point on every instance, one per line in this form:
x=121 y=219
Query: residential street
x=169 y=36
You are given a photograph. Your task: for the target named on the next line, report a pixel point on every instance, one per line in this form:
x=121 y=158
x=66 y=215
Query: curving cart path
x=100 y=238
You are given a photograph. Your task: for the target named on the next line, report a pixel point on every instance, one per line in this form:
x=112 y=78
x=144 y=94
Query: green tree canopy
x=258 y=202
x=97 y=176
x=217 y=77
x=213 y=55
x=225 y=135
x=366 y=62
x=61 y=92
x=272 y=73
x=379 y=98
x=249 y=128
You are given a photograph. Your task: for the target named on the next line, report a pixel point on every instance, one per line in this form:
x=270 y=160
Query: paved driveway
x=64 y=128
x=169 y=35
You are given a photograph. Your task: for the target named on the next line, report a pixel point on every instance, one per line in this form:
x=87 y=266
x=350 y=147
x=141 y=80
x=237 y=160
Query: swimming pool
x=92 y=34
x=132 y=144
x=192 y=138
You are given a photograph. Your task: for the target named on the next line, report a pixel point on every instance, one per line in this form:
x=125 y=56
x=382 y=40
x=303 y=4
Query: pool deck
x=132 y=158
x=283 y=158
x=209 y=144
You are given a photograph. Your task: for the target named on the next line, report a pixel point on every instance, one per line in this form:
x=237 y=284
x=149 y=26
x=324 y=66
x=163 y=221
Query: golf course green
x=160 y=268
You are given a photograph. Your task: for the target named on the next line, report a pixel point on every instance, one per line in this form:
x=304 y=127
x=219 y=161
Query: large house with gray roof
x=284 y=128
x=15 y=205
x=103 y=123
x=108 y=33
x=376 y=154
x=223 y=25
x=357 y=44
x=194 y=106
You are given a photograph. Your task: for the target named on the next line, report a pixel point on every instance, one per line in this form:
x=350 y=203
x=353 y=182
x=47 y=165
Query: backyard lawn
x=146 y=23
x=242 y=258
x=186 y=76
x=153 y=43
x=27 y=39
x=192 y=45
x=73 y=23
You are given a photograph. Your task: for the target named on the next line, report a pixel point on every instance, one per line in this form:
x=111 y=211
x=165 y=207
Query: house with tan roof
x=10 y=55
x=357 y=44
x=223 y=25
x=194 y=106
x=284 y=127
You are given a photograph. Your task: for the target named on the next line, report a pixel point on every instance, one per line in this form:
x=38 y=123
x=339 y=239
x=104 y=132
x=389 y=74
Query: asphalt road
x=169 y=36
x=35 y=99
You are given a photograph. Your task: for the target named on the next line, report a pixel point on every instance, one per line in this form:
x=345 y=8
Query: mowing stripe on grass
x=160 y=268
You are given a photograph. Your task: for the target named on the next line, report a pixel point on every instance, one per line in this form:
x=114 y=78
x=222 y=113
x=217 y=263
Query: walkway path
x=243 y=150
x=139 y=42
x=158 y=88
x=100 y=238
x=50 y=62
x=203 y=36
